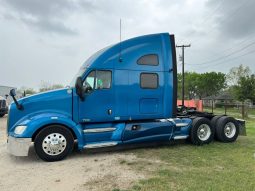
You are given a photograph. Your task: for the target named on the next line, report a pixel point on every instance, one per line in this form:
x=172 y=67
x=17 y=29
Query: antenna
x=120 y=58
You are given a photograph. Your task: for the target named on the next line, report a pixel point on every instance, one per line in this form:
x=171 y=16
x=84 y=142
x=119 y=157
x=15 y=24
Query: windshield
x=86 y=65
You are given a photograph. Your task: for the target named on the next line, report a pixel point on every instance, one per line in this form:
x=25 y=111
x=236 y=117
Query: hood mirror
x=79 y=88
x=13 y=94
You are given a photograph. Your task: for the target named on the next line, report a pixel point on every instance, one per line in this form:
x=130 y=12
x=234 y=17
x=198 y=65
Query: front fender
x=41 y=120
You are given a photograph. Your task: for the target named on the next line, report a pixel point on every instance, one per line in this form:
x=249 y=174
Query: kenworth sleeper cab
x=125 y=93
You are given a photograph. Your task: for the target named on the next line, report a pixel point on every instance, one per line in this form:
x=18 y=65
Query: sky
x=47 y=41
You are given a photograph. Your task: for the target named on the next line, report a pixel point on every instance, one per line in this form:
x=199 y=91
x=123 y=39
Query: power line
x=207 y=17
x=213 y=12
x=237 y=44
x=225 y=56
x=226 y=17
x=234 y=58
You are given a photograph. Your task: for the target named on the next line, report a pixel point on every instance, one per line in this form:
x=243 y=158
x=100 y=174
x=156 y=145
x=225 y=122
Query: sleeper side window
x=149 y=80
x=103 y=79
x=149 y=59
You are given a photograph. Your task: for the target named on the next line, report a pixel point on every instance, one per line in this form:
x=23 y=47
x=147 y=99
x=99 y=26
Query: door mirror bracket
x=80 y=90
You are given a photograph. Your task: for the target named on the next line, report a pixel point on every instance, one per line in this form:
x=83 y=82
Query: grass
x=217 y=166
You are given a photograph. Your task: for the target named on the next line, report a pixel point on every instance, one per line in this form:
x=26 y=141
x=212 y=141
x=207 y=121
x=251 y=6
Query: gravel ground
x=80 y=171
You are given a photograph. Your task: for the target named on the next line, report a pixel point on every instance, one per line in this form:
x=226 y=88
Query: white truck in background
x=3 y=106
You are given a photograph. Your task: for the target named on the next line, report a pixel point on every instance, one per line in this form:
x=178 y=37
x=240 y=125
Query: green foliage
x=246 y=88
x=242 y=83
x=201 y=85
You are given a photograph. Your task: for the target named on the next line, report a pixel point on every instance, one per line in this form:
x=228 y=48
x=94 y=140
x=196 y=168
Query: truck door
x=99 y=96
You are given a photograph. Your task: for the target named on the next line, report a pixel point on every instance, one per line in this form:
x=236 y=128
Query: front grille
x=2 y=104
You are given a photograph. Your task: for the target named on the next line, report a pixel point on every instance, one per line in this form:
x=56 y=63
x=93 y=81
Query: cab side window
x=99 y=79
x=89 y=82
x=103 y=79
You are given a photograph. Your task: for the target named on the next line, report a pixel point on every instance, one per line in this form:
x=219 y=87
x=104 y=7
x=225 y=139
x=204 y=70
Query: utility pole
x=183 y=46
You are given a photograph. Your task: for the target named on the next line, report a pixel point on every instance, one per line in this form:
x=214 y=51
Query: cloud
x=47 y=15
x=234 y=18
x=58 y=35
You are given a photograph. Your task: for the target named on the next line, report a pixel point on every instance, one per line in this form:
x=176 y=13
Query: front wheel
x=201 y=131
x=54 y=143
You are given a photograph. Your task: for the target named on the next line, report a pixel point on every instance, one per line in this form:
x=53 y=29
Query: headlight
x=20 y=129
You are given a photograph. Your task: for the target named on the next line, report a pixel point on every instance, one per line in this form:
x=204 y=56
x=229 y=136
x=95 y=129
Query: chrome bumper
x=18 y=146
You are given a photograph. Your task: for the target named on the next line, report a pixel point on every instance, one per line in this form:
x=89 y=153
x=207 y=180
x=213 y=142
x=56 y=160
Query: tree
x=46 y=86
x=242 y=83
x=190 y=84
x=236 y=73
x=29 y=91
x=211 y=83
x=245 y=89
x=201 y=85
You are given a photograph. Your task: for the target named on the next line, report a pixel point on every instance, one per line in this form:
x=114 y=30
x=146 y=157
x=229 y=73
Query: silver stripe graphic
x=99 y=130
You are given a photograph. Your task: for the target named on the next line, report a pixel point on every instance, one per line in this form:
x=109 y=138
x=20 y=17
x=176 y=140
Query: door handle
x=109 y=111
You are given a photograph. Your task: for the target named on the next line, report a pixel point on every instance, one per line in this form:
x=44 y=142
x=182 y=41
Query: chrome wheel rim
x=54 y=144
x=230 y=130
x=204 y=132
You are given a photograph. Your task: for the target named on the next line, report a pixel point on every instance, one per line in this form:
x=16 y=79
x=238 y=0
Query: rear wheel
x=214 y=121
x=227 y=129
x=54 y=143
x=201 y=131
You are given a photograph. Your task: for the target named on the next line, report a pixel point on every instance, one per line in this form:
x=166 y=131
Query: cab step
x=178 y=137
x=98 y=145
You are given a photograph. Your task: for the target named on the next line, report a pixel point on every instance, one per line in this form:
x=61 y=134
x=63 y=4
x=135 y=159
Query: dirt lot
x=80 y=171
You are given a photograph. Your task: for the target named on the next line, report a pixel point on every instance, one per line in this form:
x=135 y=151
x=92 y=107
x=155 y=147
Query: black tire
x=214 y=121
x=222 y=133
x=50 y=131
x=197 y=124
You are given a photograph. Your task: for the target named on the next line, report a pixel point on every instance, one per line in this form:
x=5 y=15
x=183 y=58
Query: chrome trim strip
x=181 y=124
x=97 y=145
x=99 y=130
x=180 y=137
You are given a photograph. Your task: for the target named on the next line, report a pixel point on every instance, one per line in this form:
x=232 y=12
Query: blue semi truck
x=123 y=94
